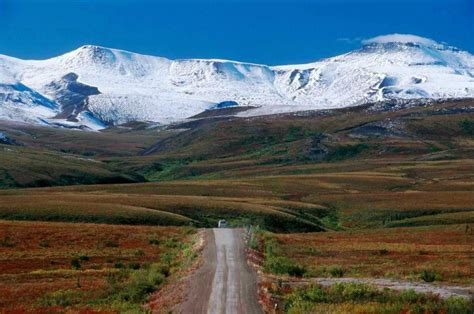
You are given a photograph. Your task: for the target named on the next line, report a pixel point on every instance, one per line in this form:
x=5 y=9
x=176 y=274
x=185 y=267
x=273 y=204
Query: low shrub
x=167 y=258
x=353 y=297
x=429 y=275
x=160 y=268
x=352 y=291
x=255 y=238
x=7 y=242
x=43 y=244
x=171 y=243
x=140 y=285
x=315 y=294
x=154 y=242
x=346 y=151
x=111 y=243
x=458 y=305
x=277 y=264
x=336 y=271
x=467 y=126
x=134 y=265
x=139 y=252
x=62 y=298
x=75 y=263
x=282 y=265
x=83 y=257
x=311 y=294
x=129 y=289
x=411 y=296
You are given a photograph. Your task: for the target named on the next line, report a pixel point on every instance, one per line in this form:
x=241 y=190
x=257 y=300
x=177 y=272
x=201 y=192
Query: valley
x=375 y=192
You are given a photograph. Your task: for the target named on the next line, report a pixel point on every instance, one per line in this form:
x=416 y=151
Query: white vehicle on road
x=222 y=224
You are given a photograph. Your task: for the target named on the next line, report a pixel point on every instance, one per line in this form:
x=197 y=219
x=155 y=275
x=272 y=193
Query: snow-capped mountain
x=96 y=86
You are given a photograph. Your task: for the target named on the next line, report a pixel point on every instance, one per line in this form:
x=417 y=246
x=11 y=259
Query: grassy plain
x=392 y=189
x=57 y=267
x=397 y=253
x=329 y=196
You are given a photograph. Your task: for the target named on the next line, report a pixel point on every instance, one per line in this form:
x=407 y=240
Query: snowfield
x=112 y=86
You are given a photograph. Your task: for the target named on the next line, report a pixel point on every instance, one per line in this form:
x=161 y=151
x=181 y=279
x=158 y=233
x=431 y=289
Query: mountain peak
x=136 y=87
x=95 y=49
x=95 y=54
x=400 y=39
x=91 y=47
x=88 y=55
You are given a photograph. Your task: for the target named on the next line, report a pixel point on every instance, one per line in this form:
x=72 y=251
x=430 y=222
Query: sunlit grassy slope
x=332 y=170
x=383 y=197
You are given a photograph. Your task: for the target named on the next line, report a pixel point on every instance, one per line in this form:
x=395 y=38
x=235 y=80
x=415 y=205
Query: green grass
x=90 y=212
x=202 y=211
x=360 y=297
x=428 y=275
x=345 y=152
x=219 y=148
x=429 y=253
x=27 y=167
x=336 y=271
x=276 y=263
x=437 y=219
x=62 y=298
x=467 y=126
x=127 y=288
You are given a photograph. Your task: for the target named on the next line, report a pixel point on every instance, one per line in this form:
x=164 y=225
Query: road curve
x=224 y=283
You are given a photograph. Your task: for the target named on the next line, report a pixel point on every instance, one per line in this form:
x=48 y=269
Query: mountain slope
x=96 y=86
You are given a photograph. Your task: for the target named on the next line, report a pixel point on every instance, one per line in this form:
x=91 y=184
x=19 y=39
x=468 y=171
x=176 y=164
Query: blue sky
x=260 y=31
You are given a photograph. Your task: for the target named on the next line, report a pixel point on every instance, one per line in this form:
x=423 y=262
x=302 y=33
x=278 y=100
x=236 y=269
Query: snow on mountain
x=17 y=99
x=411 y=67
x=95 y=86
x=400 y=38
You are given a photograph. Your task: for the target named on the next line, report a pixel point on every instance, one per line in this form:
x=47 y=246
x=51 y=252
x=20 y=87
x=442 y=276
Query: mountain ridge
x=135 y=87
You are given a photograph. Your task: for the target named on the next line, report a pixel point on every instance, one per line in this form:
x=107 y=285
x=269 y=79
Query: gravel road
x=224 y=283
